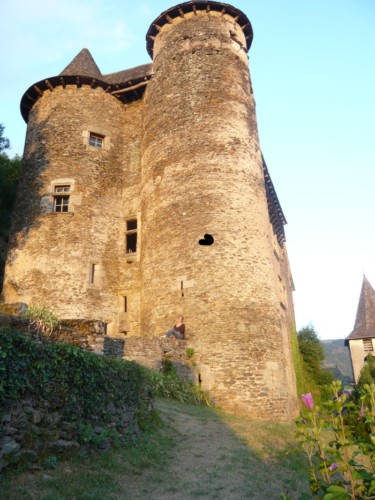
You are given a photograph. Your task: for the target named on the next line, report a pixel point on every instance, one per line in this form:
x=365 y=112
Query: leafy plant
x=169 y=385
x=50 y=462
x=343 y=466
x=190 y=352
x=42 y=321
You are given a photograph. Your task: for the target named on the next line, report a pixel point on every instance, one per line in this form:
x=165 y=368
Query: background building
x=361 y=340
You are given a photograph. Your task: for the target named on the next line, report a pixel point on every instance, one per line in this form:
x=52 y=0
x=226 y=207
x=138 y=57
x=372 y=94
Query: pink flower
x=308 y=400
x=333 y=467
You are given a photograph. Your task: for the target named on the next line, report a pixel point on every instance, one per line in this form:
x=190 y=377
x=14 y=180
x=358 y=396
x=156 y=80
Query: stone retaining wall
x=33 y=429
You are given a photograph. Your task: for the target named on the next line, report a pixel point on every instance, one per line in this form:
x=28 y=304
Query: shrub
x=82 y=383
x=168 y=384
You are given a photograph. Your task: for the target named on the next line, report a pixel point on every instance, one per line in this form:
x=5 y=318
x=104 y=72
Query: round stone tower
x=64 y=245
x=202 y=174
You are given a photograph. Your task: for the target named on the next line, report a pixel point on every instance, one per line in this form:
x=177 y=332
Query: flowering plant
x=341 y=465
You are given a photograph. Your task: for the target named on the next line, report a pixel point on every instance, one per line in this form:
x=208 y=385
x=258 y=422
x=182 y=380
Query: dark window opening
x=125 y=304
x=131 y=236
x=131 y=224
x=96 y=140
x=131 y=243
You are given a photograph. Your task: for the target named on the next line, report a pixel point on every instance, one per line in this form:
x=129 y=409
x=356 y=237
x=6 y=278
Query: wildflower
x=333 y=467
x=308 y=400
x=345 y=392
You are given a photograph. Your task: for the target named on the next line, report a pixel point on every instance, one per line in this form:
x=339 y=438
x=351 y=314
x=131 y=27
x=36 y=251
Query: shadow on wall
x=26 y=208
x=114 y=347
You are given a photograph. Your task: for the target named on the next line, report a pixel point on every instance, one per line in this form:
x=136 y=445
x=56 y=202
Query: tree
x=311 y=348
x=367 y=375
x=4 y=142
x=9 y=174
x=312 y=351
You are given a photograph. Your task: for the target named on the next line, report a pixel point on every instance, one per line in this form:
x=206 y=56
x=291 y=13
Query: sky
x=312 y=64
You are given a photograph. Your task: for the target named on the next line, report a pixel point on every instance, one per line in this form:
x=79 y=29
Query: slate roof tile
x=364 y=326
x=83 y=65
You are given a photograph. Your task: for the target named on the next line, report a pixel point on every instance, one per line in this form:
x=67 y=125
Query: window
x=61 y=199
x=95 y=276
x=131 y=236
x=367 y=345
x=96 y=140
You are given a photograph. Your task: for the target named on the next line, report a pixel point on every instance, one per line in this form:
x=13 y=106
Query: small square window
x=61 y=199
x=96 y=140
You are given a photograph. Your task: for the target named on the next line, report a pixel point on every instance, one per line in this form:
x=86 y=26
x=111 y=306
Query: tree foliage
x=9 y=174
x=4 y=142
x=312 y=352
x=367 y=375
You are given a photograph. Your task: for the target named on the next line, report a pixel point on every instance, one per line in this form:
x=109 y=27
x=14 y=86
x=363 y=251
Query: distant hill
x=338 y=360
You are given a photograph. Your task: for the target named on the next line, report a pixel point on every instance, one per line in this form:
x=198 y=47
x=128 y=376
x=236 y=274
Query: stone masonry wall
x=33 y=428
x=202 y=173
x=51 y=254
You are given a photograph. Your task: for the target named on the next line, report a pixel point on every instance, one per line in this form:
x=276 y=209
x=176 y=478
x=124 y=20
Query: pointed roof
x=364 y=326
x=83 y=65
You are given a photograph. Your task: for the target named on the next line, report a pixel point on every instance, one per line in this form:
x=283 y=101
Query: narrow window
x=61 y=199
x=131 y=236
x=125 y=304
x=96 y=140
x=92 y=274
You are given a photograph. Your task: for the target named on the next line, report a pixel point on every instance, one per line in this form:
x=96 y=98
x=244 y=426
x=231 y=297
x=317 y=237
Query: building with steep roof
x=361 y=341
x=128 y=177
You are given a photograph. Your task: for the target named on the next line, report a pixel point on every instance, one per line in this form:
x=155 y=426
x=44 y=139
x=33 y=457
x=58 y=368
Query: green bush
x=367 y=375
x=168 y=384
x=83 y=383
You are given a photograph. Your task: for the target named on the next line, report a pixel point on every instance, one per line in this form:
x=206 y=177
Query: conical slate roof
x=364 y=326
x=83 y=65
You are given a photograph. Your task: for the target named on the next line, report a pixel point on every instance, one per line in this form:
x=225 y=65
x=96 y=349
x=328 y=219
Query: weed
x=50 y=462
x=190 y=352
x=42 y=321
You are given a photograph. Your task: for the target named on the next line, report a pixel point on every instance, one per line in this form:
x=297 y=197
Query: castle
x=123 y=176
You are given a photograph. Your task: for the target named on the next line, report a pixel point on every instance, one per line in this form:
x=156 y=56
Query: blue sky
x=312 y=64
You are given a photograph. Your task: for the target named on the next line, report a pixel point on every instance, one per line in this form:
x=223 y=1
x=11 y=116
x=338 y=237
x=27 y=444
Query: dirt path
x=220 y=457
x=198 y=454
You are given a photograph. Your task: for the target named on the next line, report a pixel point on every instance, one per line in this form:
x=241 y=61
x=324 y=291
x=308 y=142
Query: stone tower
x=125 y=174
x=202 y=173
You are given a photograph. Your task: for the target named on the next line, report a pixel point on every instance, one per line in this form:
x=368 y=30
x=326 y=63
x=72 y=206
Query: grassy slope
x=198 y=453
